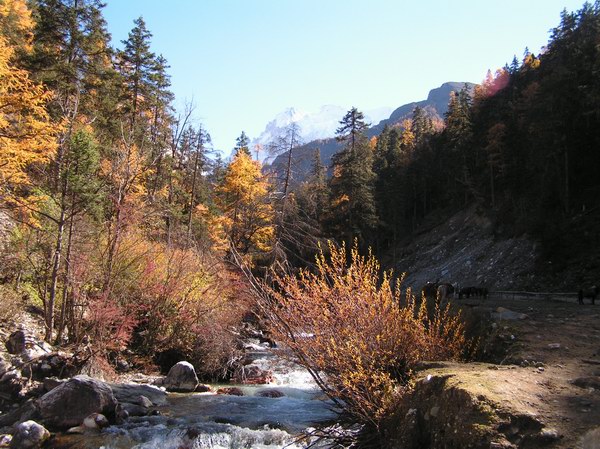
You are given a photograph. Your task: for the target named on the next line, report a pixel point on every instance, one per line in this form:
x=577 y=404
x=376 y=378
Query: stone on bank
x=181 y=378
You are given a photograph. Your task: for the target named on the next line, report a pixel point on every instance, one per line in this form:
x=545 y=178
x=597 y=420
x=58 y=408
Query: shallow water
x=207 y=420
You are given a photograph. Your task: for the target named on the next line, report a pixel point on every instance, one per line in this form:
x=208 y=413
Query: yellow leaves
x=373 y=143
x=243 y=180
x=26 y=135
x=531 y=61
x=16 y=24
x=340 y=201
x=243 y=199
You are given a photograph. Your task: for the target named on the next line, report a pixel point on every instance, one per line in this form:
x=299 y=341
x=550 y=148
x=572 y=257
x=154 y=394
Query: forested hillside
x=113 y=199
x=522 y=147
x=435 y=106
x=105 y=182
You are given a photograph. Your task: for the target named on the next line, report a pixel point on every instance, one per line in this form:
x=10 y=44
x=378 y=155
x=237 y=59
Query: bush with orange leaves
x=359 y=337
x=163 y=298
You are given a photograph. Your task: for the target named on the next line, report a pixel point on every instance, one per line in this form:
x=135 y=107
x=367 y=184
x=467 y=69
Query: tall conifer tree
x=352 y=214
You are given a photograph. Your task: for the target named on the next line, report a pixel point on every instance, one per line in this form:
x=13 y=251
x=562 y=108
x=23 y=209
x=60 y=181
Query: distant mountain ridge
x=313 y=125
x=436 y=105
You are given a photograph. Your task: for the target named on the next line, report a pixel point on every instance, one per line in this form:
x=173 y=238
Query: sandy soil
x=558 y=343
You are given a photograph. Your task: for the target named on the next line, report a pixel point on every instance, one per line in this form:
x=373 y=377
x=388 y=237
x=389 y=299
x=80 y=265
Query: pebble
x=549 y=435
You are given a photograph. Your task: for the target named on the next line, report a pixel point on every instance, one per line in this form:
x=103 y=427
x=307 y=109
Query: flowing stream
x=208 y=420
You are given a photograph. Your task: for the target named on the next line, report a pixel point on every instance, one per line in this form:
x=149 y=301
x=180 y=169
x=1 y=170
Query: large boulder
x=131 y=393
x=29 y=435
x=181 y=378
x=11 y=386
x=70 y=403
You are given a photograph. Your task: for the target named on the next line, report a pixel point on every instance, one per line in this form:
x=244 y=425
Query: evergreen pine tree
x=242 y=144
x=352 y=207
x=137 y=65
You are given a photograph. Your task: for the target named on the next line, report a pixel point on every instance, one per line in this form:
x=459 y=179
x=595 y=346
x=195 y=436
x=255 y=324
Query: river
x=208 y=420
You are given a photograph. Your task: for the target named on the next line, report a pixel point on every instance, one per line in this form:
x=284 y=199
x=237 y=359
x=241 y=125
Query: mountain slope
x=436 y=105
x=313 y=125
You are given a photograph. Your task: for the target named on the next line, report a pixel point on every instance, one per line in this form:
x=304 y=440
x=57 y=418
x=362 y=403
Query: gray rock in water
x=93 y=423
x=202 y=388
x=182 y=378
x=144 y=401
x=16 y=342
x=131 y=393
x=231 y=391
x=271 y=393
x=29 y=435
x=134 y=409
x=70 y=403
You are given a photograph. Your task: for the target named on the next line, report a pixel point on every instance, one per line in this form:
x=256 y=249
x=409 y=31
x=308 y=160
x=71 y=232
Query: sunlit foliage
x=358 y=335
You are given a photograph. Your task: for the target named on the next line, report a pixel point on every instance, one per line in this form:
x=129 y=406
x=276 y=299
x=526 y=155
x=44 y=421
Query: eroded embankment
x=544 y=392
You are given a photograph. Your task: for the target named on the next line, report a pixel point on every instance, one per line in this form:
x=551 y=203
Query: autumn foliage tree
x=26 y=135
x=247 y=213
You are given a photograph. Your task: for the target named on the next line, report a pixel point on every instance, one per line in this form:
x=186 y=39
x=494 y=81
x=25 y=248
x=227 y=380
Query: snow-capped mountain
x=313 y=125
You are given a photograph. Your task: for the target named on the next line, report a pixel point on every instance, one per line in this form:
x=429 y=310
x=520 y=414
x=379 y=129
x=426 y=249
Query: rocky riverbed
x=45 y=403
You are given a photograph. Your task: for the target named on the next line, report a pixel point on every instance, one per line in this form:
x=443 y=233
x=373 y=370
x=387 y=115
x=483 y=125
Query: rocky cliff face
x=436 y=105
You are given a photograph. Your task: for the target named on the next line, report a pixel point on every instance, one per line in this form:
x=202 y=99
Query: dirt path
x=558 y=343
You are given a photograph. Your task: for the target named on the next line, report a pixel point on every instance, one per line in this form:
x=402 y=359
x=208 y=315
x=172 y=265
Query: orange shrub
x=358 y=336
x=167 y=298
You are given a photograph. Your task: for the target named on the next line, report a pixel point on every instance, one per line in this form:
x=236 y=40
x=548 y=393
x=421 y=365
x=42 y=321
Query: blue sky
x=244 y=61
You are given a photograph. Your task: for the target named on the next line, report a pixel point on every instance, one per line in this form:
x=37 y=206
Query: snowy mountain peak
x=313 y=125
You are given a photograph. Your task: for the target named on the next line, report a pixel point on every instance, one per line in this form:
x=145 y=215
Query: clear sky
x=244 y=61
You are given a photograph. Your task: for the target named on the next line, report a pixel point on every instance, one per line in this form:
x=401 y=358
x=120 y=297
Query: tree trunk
x=66 y=283
x=567 y=193
x=192 y=196
x=49 y=318
x=492 y=186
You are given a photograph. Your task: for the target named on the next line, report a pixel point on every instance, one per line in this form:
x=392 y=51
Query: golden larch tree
x=243 y=198
x=26 y=135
